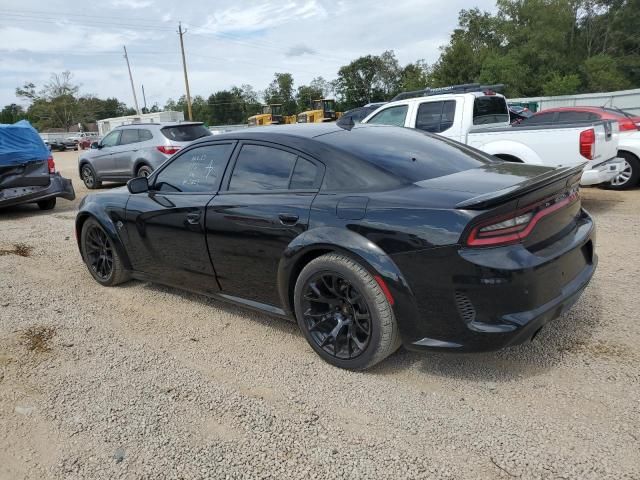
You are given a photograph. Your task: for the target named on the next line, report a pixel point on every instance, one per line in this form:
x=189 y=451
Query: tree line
x=534 y=47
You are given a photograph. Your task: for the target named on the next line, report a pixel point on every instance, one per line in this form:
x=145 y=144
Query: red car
x=627 y=121
x=628 y=125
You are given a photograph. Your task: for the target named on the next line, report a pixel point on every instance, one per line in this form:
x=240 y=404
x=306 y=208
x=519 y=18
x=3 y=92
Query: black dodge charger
x=370 y=237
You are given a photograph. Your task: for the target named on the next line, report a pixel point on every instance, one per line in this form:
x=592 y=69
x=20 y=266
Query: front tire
x=629 y=176
x=48 y=204
x=89 y=177
x=100 y=255
x=344 y=314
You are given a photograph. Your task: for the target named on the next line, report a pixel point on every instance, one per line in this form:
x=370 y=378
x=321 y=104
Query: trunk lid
x=32 y=174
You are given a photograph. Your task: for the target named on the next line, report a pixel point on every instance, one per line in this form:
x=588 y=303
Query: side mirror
x=138 y=185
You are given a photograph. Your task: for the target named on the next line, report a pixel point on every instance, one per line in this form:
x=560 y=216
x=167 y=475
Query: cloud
x=299 y=50
x=135 y=4
x=260 y=17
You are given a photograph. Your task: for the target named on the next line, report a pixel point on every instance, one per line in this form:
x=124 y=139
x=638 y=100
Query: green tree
x=12 y=113
x=602 y=74
x=562 y=85
x=280 y=90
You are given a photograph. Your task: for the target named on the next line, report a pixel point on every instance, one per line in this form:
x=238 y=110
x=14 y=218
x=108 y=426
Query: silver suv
x=135 y=150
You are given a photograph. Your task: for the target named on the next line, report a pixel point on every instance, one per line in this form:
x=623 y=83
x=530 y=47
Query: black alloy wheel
x=343 y=312
x=99 y=253
x=336 y=315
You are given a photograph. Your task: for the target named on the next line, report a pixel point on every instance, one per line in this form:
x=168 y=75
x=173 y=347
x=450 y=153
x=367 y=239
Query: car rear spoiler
x=487 y=200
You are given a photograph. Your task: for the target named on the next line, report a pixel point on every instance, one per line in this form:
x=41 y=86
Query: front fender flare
x=107 y=220
x=341 y=240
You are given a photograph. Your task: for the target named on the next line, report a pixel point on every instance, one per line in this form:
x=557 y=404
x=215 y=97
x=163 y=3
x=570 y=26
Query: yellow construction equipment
x=324 y=110
x=271 y=115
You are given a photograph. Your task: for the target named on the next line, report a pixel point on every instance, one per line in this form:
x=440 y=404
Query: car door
x=264 y=204
x=124 y=151
x=165 y=226
x=102 y=160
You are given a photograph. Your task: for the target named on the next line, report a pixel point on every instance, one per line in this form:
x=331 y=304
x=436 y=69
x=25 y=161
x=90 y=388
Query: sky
x=227 y=42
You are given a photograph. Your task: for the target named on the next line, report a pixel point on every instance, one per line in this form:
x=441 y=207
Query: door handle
x=288 y=218
x=193 y=218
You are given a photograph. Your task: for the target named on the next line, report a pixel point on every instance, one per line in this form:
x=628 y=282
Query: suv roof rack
x=464 y=88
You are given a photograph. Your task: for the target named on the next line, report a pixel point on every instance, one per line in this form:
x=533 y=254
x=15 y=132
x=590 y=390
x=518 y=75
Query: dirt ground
x=143 y=381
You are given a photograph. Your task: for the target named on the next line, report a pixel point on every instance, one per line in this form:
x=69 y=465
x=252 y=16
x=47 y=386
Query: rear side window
x=185 y=133
x=391 y=116
x=571 y=117
x=196 y=171
x=490 y=109
x=436 y=117
x=129 y=135
x=145 y=135
x=261 y=168
x=304 y=175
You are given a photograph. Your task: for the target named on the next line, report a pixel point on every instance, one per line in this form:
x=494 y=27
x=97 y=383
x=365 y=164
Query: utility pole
x=135 y=99
x=184 y=66
x=144 y=99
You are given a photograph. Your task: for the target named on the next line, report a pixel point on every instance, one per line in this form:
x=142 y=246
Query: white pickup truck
x=481 y=120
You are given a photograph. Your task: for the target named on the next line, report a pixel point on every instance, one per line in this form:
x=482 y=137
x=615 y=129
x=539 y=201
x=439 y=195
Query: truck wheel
x=48 y=204
x=629 y=176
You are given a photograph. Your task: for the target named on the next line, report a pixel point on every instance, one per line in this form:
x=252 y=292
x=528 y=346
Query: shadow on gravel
x=280 y=324
x=564 y=336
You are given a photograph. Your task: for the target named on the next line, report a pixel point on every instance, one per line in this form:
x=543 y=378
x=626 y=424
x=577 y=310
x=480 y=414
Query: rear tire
x=48 y=204
x=357 y=329
x=100 y=255
x=628 y=178
x=89 y=177
x=144 y=171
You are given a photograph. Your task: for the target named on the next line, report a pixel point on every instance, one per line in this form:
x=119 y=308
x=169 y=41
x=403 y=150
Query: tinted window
x=130 y=135
x=304 y=175
x=185 y=133
x=401 y=153
x=569 y=117
x=490 y=109
x=144 y=135
x=436 y=117
x=539 y=119
x=198 y=170
x=391 y=116
x=262 y=168
x=111 y=139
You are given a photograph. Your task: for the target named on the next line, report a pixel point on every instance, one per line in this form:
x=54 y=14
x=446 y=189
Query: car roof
x=573 y=109
x=161 y=124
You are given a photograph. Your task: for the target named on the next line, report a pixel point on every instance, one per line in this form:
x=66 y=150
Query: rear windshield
x=185 y=133
x=406 y=154
x=490 y=109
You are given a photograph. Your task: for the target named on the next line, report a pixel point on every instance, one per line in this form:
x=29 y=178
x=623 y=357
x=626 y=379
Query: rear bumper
x=58 y=187
x=604 y=172
x=475 y=300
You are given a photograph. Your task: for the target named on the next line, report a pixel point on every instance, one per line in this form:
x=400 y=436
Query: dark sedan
x=370 y=237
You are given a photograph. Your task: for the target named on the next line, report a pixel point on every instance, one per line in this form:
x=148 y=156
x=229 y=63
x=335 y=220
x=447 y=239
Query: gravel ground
x=143 y=381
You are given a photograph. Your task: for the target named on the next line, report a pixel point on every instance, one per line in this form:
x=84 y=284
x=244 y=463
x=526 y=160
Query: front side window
x=196 y=171
x=391 y=116
x=261 y=168
x=539 y=119
x=111 y=139
x=129 y=135
x=436 y=117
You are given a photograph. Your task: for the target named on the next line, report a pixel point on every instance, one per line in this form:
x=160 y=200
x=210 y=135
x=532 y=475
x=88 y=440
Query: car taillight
x=516 y=227
x=167 y=150
x=627 y=125
x=588 y=143
x=51 y=164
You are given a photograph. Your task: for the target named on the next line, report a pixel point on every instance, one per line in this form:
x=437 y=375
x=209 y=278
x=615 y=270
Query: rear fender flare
x=340 y=240
x=91 y=210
